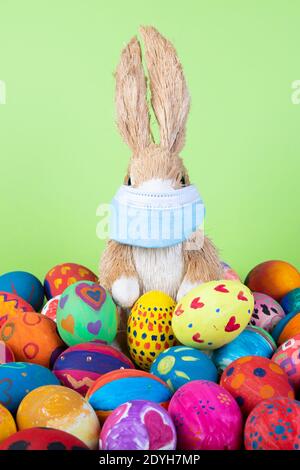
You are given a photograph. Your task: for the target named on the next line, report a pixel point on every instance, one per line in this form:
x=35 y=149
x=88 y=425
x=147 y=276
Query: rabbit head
x=153 y=166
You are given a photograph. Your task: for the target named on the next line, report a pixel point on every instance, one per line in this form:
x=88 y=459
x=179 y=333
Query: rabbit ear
x=131 y=98
x=169 y=94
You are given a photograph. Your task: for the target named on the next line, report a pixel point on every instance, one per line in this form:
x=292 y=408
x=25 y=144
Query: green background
x=61 y=155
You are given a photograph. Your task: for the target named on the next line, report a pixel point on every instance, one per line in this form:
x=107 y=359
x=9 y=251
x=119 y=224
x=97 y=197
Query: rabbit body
x=129 y=271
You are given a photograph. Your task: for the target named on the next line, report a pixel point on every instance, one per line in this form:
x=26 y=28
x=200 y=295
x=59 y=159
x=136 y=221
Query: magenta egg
x=206 y=417
x=267 y=312
x=138 y=425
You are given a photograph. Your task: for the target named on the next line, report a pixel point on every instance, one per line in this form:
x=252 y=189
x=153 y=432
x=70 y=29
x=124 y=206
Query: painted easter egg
x=6 y=354
x=149 y=327
x=287 y=357
x=206 y=417
x=7 y=424
x=63 y=275
x=33 y=338
x=86 y=312
x=291 y=301
x=19 y=378
x=251 y=342
x=212 y=314
x=252 y=379
x=274 y=278
x=25 y=285
x=229 y=273
x=266 y=313
x=274 y=424
x=12 y=304
x=54 y=406
x=42 y=439
x=79 y=366
x=117 y=387
x=180 y=364
x=50 y=308
x=138 y=425
x=288 y=327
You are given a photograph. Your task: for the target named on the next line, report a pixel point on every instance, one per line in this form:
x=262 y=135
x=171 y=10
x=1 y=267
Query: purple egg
x=138 y=425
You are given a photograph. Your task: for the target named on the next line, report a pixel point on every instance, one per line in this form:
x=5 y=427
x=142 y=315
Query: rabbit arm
x=118 y=274
x=201 y=265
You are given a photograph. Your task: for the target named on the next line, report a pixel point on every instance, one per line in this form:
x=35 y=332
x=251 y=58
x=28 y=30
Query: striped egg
x=79 y=366
x=117 y=387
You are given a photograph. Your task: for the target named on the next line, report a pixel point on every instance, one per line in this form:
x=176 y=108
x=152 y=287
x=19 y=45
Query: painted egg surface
x=86 y=312
x=212 y=314
x=149 y=327
x=19 y=378
x=287 y=328
x=274 y=278
x=287 y=357
x=79 y=366
x=274 y=424
x=63 y=275
x=6 y=354
x=24 y=285
x=267 y=312
x=251 y=342
x=117 y=387
x=12 y=304
x=50 y=308
x=138 y=425
x=206 y=417
x=291 y=301
x=42 y=439
x=32 y=338
x=53 y=406
x=7 y=424
x=229 y=273
x=252 y=379
x=181 y=364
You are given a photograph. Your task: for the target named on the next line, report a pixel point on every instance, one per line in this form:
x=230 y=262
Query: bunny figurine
x=141 y=255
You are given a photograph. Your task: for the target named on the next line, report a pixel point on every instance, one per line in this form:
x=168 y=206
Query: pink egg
x=287 y=357
x=206 y=417
x=6 y=354
x=267 y=312
x=50 y=308
x=230 y=273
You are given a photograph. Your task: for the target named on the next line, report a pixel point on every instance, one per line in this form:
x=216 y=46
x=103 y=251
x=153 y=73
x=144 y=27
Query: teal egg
x=19 y=378
x=253 y=341
x=25 y=285
x=180 y=364
x=291 y=301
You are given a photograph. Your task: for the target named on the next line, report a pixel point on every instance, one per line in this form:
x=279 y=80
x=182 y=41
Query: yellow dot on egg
x=243 y=360
x=24 y=374
x=276 y=368
x=266 y=391
x=166 y=364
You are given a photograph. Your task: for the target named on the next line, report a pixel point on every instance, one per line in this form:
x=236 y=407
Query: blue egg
x=291 y=301
x=25 y=285
x=180 y=364
x=19 y=378
x=253 y=341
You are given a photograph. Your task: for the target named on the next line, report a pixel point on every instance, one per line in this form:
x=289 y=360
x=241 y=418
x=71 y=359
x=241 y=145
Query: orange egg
x=274 y=278
x=32 y=337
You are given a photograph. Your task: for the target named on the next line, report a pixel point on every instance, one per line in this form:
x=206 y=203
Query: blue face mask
x=154 y=219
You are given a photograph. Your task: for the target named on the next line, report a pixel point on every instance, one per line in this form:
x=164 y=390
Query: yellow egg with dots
x=149 y=327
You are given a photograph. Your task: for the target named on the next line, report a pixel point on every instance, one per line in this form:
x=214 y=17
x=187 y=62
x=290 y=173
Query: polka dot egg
x=274 y=424
x=150 y=327
x=252 y=379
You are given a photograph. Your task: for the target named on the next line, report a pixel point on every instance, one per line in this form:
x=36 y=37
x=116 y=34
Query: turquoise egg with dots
x=181 y=364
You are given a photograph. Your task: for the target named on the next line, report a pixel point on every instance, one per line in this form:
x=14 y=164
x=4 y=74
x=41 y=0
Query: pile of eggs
x=219 y=370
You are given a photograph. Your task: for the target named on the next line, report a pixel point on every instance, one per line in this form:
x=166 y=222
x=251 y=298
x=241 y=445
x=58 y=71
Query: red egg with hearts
x=251 y=379
x=63 y=275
